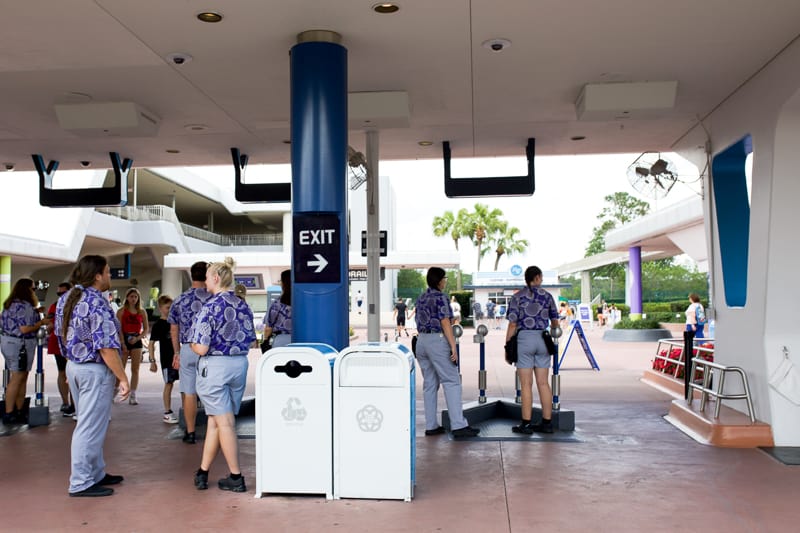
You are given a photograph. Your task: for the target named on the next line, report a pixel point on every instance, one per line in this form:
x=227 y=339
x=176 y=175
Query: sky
x=557 y=220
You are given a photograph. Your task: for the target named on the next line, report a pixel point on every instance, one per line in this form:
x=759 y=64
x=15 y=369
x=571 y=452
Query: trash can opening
x=292 y=368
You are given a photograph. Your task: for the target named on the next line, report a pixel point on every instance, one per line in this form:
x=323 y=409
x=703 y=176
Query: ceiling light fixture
x=577 y=138
x=195 y=127
x=173 y=151
x=386 y=8
x=425 y=143
x=209 y=16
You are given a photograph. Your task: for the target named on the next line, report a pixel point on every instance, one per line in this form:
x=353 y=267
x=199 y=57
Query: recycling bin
x=294 y=420
x=373 y=422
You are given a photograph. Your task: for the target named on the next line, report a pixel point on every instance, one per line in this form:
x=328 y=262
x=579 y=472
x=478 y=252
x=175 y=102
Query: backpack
x=700 y=315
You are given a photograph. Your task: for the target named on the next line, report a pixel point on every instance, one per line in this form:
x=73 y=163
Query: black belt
x=523 y=329
x=430 y=331
x=16 y=336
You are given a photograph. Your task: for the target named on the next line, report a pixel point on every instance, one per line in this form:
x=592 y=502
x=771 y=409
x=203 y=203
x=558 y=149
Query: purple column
x=635 y=287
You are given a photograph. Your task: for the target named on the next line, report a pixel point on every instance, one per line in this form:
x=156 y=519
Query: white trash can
x=373 y=422
x=294 y=420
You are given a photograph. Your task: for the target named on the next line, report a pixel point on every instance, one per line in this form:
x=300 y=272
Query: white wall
x=767 y=107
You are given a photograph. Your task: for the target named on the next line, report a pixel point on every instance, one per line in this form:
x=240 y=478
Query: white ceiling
x=484 y=103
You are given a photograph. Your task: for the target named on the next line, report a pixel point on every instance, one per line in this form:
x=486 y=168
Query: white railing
x=167 y=214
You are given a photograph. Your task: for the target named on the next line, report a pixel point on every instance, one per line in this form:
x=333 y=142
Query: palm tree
x=456 y=226
x=507 y=243
x=484 y=222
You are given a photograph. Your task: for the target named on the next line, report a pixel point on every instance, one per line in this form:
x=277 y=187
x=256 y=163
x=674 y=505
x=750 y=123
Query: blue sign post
x=319 y=190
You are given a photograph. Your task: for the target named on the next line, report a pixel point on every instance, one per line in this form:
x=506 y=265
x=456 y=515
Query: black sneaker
x=9 y=419
x=526 y=428
x=543 y=427
x=189 y=438
x=110 y=479
x=466 y=431
x=64 y=407
x=94 y=491
x=437 y=431
x=201 y=480
x=233 y=485
x=68 y=412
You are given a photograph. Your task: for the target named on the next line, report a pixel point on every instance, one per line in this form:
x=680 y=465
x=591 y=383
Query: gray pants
x=282 y=339
x=92 y=388
x=433 y=356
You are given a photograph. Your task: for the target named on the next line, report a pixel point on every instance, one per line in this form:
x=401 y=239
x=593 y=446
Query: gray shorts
x=188 y=371
x=282 y=339
x=221 y=380
x=532 y=352
x=11 y=346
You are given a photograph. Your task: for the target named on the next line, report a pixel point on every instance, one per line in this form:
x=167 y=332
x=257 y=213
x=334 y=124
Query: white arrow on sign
x=320 y=263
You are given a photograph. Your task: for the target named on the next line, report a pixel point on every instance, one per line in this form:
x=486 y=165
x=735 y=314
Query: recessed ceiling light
x=195 y=127
x=209 y=16
x=173 y=151
x=386 y=8
x=577 y=138
x=425 y=143
x=287 y=141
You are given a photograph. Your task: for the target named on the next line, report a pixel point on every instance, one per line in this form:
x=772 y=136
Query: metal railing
x=167 y=214
x=705 y=389
x=668 y=345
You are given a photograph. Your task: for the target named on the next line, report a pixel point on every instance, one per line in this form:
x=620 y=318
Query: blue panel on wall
x=733 y=218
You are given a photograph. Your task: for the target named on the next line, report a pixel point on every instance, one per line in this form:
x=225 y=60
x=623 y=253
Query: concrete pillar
x=171 y=282
x=586 y=287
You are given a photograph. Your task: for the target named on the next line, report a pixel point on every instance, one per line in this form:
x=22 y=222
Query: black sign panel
x=381 y=243
x=316 y=243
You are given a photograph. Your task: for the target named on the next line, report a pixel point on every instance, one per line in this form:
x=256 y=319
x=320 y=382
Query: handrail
x=706 y=390
x=674 y=342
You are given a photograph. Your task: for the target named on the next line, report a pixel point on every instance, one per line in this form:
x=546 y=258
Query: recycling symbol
x=294 y=410
x=369 y=419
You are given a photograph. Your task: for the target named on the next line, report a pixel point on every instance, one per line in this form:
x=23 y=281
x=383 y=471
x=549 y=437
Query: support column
x=171 y=282
x=373 y=241
x=319 y=189
x=635 y=281
x=586 y=287
x=5 y=277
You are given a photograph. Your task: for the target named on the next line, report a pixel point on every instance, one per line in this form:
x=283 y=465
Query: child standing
x=161 y=334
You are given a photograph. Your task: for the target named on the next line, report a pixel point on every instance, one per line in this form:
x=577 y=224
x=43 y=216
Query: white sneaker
x=170 y=418
x=132 y=398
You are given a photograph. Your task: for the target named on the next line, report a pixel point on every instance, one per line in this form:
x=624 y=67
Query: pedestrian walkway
x=631 y=471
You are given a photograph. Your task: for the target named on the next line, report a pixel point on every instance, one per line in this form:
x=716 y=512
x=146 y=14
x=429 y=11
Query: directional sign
x=317 y=239
x=381 y=243
x=355 y=274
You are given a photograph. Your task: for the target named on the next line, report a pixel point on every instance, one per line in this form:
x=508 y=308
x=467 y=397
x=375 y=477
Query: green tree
x=620 y=209
x=410 y=283
x=456 y=227
x=483 y=223
x=507 y=243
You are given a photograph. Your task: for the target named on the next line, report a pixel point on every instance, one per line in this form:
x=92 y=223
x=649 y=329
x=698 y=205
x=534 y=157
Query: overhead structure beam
x=257 y=192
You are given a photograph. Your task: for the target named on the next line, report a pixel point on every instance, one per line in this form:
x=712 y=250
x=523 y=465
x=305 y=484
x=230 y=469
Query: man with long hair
x=88 y=334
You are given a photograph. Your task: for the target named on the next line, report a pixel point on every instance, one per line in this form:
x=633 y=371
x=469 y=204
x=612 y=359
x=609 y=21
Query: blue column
x=319 y=190
x=635 y=270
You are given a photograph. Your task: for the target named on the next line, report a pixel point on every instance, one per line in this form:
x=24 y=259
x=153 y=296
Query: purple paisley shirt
x=92 y=326
x=532 y=309
x=432 y=306
x=184 y=309
x=225 y=325
x=18 y=314
x=279 y=318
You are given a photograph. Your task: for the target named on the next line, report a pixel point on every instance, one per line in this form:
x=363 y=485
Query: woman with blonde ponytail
x=222 y=336
x=88 y=334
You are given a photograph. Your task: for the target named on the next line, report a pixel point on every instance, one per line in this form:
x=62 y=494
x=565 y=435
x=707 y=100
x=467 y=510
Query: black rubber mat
x=499 y=429
x=788 y=455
